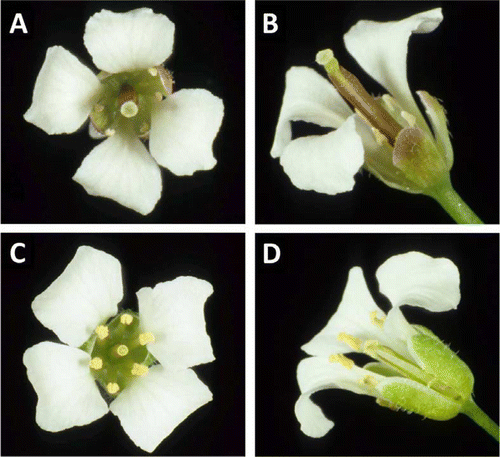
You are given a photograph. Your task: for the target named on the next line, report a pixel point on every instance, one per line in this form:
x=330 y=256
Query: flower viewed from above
x=139 y=361
x=413 y=369
x=388 y=135
x=130 y=101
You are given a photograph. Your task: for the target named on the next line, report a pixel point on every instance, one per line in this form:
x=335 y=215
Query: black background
x=37 y=168
x=216 y=428
x=457 y=63
x=297 y=296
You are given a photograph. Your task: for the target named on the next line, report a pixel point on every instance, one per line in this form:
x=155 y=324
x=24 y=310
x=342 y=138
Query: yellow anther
x=153 y=71
x=139 y=370
x=342 y=359
x=96 y=363
x=158 y=96
x=351 y=341
x=370 y=347
x=379 y=138
x=389 y=101
x=146 y=338
x=378 y=322
x=102 y=331
x=368 y=381
x=126 y=319
x=122 y=350
x=112 y=387
x=109 y=132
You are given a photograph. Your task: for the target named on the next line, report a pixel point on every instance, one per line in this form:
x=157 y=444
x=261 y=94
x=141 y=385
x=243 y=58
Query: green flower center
x=119 y=354
x=127 y=99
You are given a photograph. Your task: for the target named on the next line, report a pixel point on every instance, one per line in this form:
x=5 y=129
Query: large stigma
x=119 y=354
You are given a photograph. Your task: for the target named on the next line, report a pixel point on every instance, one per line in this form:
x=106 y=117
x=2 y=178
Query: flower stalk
x=474 y=412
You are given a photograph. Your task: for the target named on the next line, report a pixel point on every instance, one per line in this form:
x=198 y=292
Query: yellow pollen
x=102 y=331
x=376 y=321
x=351 y=341
x=153 y=71
x=370 y=348
x=112 y=387
x=96 y=363
x=122 y=350
x=139 y=370
x=126 y=319
x=146 y=338
x=342 y=359
x=368 y=381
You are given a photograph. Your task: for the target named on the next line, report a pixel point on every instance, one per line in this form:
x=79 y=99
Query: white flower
x=131 y=99
x=149 y=399
x=387 y=136
x=414 y=371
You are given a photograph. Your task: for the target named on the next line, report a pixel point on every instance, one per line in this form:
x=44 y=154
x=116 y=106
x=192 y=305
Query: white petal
x=135 y=40
x=325 y=163
x=67 y=393
x=381 y=48
x=82 y=297
x=308 y=97
x=317 y=373
x=359 y=316
x=153 y=406
x=183 y=128
x=64 y=92
x=120 y=168
x=174 y=313
x=419 y=280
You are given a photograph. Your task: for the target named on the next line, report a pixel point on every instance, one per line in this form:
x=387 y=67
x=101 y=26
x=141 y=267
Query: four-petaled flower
x=414 y=370
x=130 y=100
x=388 y=136
x=122 y=353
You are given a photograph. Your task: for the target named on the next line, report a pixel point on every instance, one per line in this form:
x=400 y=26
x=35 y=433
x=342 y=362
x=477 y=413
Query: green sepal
x=417 y=398
x=453 y=377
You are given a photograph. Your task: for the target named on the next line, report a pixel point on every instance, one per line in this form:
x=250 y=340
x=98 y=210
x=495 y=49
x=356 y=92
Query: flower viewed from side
x=413 y=369
x=388 y=135
x=139 y=361
x=129 y=102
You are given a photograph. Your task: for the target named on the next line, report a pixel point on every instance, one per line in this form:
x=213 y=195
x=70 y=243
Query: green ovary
x=119 y=354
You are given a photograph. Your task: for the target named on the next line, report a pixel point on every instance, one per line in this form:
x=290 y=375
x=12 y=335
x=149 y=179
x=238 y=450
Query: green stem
x=453 y=204
x=473 y=411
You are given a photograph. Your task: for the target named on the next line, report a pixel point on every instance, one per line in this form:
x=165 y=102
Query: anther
x=378 y=322
x=153 y=71
x=102 y=332
x=126 y=319
x=139 y=370
x=112 y=387
x=109 y=132
x=342 y=359
x=146 y=338
x=158 y=96
x=410 y=118
x=351 y=341
x=96 y=363
x=122 y=350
